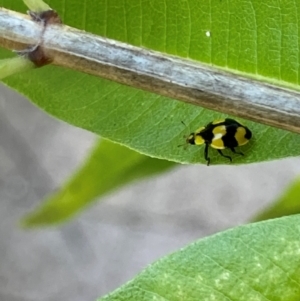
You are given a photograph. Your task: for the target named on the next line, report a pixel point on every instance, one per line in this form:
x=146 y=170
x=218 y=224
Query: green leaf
x=287 y=204
x=252 y=37
x=255 y=262
x=37 y=5
x=14 y=65
x=110 y=166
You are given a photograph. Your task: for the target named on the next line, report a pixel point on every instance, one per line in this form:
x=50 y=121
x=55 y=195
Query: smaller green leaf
x=37 y=5
x=287 y=204
x=110 y=166
x=14 y=65
x=258 y=262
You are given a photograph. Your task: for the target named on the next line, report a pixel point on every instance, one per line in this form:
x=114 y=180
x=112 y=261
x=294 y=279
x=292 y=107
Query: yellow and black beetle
x=221 y=134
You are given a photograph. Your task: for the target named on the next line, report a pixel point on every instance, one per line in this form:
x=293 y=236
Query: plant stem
x=156 y=72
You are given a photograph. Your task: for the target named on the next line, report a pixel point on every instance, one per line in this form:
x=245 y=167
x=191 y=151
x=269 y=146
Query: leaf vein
x=238 y=279
x=205 y=285
x=270 y=260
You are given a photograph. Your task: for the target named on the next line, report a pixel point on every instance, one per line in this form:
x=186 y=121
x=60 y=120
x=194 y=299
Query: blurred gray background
x=114 y=239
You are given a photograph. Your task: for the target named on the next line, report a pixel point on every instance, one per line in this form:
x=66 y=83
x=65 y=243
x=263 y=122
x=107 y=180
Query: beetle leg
x=228 y=157
x=234 y=151
x=206 y=154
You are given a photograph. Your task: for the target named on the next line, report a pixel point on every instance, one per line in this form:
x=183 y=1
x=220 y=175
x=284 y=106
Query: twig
x=167 y=75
